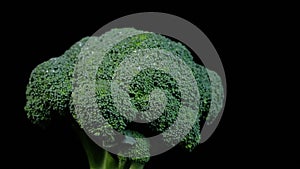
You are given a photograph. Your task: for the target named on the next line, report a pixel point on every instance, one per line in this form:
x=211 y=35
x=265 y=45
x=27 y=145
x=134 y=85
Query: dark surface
x=45 y=33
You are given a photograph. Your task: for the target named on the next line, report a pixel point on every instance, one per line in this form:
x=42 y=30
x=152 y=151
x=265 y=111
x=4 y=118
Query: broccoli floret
x=137 y=147
x=60 y=87
x=149 y=79
x=50 y=86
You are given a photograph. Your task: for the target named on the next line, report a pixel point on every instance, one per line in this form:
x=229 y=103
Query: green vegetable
x=51 y=84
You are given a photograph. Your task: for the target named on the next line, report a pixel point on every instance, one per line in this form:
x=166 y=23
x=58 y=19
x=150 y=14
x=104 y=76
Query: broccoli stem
x=124 y=163
x=101 y=159
x=98 y=158
x=136 y=166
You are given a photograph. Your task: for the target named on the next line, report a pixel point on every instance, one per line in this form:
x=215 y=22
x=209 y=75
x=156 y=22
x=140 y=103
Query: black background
x=37 y=34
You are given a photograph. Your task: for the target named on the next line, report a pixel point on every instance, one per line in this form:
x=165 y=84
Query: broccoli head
x=154 y=95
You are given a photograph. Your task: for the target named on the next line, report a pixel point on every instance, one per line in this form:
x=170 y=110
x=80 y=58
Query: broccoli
x=55 y=86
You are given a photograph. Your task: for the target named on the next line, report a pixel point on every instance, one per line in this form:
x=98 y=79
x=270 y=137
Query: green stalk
x=123 y=163
x=98 y=158
x=136 y=166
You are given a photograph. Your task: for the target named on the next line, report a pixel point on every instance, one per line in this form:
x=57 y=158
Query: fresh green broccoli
x=54 y=87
